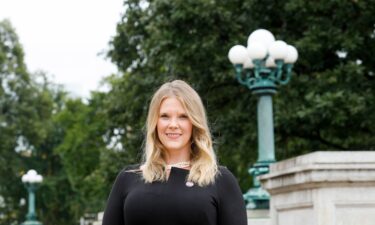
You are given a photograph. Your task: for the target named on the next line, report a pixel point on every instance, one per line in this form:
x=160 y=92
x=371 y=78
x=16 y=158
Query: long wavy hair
x=204 y=166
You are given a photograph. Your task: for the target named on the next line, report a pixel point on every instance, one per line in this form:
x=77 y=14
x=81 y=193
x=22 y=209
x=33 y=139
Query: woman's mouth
x=173 y=135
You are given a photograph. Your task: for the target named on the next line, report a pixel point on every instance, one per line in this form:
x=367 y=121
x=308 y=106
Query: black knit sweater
x=174 y=202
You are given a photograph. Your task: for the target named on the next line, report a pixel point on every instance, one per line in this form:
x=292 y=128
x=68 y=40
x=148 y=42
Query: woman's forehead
x=171 y=103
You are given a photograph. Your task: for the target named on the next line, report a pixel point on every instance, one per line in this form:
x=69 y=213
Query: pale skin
x=174 y=130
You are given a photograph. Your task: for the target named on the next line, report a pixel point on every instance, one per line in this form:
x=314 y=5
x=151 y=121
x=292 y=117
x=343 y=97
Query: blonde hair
x=204 y=166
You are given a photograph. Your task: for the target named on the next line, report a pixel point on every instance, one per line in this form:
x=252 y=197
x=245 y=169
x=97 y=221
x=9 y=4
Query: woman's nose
x=173 y=123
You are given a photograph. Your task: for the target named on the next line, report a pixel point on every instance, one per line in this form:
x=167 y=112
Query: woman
x=179 y=182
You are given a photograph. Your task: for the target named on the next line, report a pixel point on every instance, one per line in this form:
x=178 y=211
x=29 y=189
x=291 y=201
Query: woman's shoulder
x=133 y=168
x=223 y=170
x=127 y=173
x=126 y=178
x=225 y=175
x=226 y=182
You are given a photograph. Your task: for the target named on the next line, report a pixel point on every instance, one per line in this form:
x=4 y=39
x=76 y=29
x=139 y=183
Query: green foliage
x=327 y=104
x=80 y=147
x=82 y=128
x=187 y=40
x=14 y=93
x=27 y=103
x=65 y=140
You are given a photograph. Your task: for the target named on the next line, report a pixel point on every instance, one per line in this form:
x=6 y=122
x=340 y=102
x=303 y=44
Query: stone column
x=323 y=188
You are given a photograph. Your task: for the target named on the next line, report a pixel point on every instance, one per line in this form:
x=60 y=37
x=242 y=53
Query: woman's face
x=174 y=126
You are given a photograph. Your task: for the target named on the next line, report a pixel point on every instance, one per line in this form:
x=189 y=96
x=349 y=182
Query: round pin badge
x=189 y=184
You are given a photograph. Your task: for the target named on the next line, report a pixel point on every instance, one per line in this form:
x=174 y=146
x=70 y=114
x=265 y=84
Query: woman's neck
x=173 y=159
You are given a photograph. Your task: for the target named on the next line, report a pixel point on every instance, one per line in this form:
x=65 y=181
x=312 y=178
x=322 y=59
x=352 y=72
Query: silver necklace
x=178 y=165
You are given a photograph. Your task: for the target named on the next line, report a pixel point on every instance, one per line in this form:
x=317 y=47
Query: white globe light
x=237 y=54
x=31 y=173
x=278 y=50
x=22 y=202
x=261 y=35
x=257 y=50
x=24 y=179
x=38 y=179
x=32 y=177
x=270 y=62
x=292 y=55
x=248 y=64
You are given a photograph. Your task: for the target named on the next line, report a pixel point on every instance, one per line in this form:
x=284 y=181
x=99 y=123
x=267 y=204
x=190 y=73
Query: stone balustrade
x=323 y=188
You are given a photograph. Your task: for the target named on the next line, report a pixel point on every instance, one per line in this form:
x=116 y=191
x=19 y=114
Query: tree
x=28 y=136
x=67 y=141
x=327 y=105
x=83 y=128
x=26 y=105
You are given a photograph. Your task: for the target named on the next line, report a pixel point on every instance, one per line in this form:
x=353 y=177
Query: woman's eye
x=163 y=116
x=184 y=117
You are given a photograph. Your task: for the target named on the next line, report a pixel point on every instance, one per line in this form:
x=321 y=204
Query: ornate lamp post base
x=256 y=197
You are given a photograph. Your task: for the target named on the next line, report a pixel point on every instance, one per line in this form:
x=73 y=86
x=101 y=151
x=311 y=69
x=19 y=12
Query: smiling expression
x=174 y=126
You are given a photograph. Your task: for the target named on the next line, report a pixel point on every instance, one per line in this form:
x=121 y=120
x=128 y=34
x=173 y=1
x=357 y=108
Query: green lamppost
x=31 y=181
x=262 y=66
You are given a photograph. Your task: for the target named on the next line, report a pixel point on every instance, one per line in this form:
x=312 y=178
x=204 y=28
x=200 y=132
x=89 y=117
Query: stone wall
x=323 y=188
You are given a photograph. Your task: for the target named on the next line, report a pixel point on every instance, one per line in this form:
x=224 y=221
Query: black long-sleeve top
x=174 y=202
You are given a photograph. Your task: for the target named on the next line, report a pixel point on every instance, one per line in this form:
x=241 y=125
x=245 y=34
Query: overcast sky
x=64 y=38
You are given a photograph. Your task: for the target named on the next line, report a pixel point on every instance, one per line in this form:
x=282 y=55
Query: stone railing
x=323 y=188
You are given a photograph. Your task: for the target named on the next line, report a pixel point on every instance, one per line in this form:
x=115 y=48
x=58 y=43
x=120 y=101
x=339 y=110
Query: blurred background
x=77 y=77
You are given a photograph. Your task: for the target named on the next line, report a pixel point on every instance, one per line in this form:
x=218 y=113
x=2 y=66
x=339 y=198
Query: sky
x=64 y=38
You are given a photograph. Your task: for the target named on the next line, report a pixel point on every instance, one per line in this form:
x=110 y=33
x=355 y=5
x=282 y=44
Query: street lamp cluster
x=261 y=66
x=266 y=62
x=32 y=177
x=31 y=180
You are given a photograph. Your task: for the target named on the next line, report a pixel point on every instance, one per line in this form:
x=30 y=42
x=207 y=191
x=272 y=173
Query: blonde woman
x=179 y=181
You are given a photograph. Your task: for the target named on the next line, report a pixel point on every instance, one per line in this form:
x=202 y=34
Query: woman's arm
x=113 y=214
x=232 y=210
